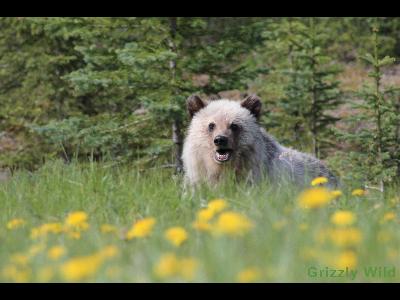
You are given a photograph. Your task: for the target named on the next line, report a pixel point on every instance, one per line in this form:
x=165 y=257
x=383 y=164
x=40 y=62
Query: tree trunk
x=177 y=137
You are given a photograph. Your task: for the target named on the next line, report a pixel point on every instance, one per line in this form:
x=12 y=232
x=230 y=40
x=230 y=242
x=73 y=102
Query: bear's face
x=223 y=127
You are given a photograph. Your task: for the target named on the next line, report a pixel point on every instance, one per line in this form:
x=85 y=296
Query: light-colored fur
x=256 y=153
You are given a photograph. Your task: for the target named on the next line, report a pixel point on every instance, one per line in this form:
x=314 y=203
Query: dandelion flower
x=82 y=267
x=389 y=216
x=314 y=198
x=36 y=249
x=77 y=220
x=346 y=259
x=176 y=235
x=56 y=252
x=20 y=259
x=217 y=205
x=46 y=228
x=141 y=228
x=232 y=223
x=337 y=193
x=248 y=275
x=15 y=223
x=343 y=218
x=201 y=226
x=344 y=237
x=13 y=273
x=358 y=192
x=107 y=228
x=167 y=266
x=319 y=180
x=108 y=251
x=205 y=214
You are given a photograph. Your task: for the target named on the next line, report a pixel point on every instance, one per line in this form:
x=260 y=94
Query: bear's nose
x=221 y=140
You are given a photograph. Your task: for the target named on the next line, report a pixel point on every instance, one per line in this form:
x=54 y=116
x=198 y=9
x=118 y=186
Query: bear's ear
x=194 y=104
x=253 y=104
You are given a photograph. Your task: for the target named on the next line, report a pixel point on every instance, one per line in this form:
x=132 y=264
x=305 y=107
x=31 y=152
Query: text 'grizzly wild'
x=224 y=137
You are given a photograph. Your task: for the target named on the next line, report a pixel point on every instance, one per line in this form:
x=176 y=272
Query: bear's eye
x=234 y=127
x=211 y=127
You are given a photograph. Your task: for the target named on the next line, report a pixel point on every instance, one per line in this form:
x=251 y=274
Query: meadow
x=96 y=222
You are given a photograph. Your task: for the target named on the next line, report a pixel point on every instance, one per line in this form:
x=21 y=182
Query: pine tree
x=377 y=153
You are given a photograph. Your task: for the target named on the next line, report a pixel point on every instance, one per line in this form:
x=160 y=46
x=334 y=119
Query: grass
x=286 y=244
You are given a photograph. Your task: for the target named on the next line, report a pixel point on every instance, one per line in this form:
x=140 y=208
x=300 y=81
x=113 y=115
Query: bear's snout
x=221 y=141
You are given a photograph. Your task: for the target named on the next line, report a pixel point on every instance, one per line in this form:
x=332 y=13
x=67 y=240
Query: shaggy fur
x=255 y=153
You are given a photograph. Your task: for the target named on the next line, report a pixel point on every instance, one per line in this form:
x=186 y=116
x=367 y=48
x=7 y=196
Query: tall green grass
x=282 y=246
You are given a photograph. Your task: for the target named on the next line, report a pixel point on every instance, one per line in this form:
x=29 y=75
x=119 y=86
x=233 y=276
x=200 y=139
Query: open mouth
x=223 y=155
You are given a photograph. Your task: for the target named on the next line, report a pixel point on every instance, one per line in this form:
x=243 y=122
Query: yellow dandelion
x=15 y=223
x=337 y=193
x=82 y=267
x=56 y=252
x=167 y=266
x=36 y=249
x=232 y=223
x=205 y=214
x=188 y=267
x=319 y=180
x=77 y=220
x=344 y=237
x=76 y=235
x=343 y=218
x=346 y=259
x=217 y=205
x=141 y=228
x=389 y=216
x=13 y=273
x=176 y=235
x=108 y=252
x=20 y=259
x=107 y=228
x=201 y=226
x=358 y=192
x=248 y=275
x=46 y=228
x=314 y=198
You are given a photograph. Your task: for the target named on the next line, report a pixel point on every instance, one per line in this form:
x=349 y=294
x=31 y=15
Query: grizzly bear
x=224 y=136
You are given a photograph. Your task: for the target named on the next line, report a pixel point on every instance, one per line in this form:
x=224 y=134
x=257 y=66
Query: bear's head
x=226 y=129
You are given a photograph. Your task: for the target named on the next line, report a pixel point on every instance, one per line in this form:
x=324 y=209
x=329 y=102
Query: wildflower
x=344 y=237
x=188 y=267
x=205 y=214
x=337 y=193
x=81 y=267
x=46 y=228
x=319 y=180
x=56 y=252
x=346 y=259
x=169 y=266
x=11 y=272
x=248 y=275
x=358 y=192
x=19 y=259
x=217 y=205
x=232 y=223
x=201 y=225
x=15 y=223
x=176 y=235
x=107 y=228
x=36 y=249
x=314 y=198
x=108 y=251
x=141 y=228
x=389 y=216
x=76 y=235
x=343 y=218
x=77 y=220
